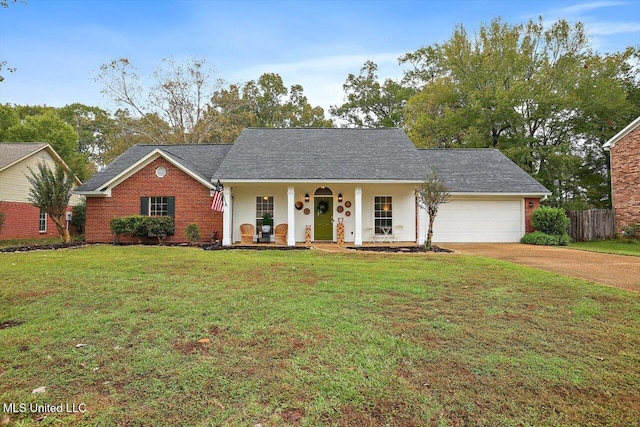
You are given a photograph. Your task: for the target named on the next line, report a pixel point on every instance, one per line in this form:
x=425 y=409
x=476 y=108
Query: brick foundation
x=192 y=204
x=625 y=180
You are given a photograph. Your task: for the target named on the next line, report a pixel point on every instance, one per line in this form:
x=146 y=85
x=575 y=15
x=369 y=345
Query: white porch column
x=291 y=216
x=227 y=218
x=358 y=217
x=422 y=225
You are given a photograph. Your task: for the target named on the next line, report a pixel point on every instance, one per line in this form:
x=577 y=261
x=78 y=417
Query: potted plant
x=267 y=222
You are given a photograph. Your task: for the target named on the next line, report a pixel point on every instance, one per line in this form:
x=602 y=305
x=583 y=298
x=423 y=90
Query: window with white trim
x=158 y=206
x=264 y=204
x=42 y=223
x=383 y=213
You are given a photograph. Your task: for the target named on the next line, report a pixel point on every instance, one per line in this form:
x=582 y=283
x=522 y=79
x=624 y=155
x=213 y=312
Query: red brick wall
x=625 y=179
x=21 y=221
x=192 y=204
x=528 y=211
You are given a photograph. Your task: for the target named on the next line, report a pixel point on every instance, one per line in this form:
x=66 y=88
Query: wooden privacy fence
x=593 y=224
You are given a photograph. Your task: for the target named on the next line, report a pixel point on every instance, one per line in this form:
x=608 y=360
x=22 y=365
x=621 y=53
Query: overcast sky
x=58 y=46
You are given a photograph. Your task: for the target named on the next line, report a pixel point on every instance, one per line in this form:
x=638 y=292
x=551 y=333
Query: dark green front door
x=323 y=224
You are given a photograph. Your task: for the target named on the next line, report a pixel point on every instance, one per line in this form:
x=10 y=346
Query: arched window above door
x=323 y=191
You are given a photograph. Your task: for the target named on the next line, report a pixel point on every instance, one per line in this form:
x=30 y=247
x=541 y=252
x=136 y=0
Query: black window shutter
x=144 y=206
x=171 y=206
x=171 y=209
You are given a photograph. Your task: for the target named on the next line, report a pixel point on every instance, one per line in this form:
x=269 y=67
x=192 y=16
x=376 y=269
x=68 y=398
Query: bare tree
x=173 y=110
x=431 y=194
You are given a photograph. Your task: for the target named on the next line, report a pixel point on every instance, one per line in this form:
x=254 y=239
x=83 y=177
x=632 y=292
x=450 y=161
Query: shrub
x=552 y=221
x=544 y=239
x=142 y=226
x=193 y=233
x=79 y=217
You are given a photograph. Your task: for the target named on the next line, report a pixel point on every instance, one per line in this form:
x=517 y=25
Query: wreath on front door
x=323 y=206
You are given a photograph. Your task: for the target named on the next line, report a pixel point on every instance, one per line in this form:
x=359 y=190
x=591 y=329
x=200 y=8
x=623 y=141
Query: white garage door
x=479 y=221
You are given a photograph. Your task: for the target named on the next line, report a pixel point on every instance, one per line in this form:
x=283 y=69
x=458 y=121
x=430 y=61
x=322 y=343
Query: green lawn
x=309 y=338
x=619 y=246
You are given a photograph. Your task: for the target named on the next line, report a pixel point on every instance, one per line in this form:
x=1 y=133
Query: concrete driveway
x=620 y=271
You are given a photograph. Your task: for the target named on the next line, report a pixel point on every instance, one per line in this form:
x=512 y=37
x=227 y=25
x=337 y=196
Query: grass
x=308 y=338
x=617 y=246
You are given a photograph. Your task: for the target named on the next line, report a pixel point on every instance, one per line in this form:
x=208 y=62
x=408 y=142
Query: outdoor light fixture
x=306 y=197
x=530 y=204
x=265 y=197
x=340 y=197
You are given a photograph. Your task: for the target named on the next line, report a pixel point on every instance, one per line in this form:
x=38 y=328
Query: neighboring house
x=624 y=150
x=22 y=220
x=365 y=179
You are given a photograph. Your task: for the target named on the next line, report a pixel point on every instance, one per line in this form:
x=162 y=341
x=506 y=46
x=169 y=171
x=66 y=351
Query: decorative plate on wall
x=347 y=204
x=307 y=211
x=340 y=209
x=299 y=205
x=348 y=213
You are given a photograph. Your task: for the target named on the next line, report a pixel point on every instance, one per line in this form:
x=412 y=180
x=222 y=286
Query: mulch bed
x=218 y=246
x=43 y=247
x=400 y=249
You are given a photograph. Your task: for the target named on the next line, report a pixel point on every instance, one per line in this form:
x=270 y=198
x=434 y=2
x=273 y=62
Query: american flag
x=217 y=202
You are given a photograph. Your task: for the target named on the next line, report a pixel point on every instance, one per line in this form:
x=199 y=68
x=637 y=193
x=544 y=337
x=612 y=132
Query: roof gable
x=624 y=132
x=12 y=153
x=322 y=154
x=197 y=160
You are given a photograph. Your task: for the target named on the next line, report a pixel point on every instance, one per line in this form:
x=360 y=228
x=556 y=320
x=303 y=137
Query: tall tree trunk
x=61 y=226
x=429 y=232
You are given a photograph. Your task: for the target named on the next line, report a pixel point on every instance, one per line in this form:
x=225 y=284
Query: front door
x=323 y=218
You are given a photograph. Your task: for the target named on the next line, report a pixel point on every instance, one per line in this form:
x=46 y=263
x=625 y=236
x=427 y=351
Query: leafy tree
x=372 y=104
x=49 y=127
x=94 y=127
x=50 y=192
x=275 y=106
x=431 y=194
x=538 y=93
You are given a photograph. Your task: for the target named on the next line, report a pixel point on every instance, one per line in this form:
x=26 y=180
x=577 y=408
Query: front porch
x=314 y=212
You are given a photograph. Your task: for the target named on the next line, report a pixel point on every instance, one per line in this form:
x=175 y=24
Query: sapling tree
x=50 y=192
x=431 y=194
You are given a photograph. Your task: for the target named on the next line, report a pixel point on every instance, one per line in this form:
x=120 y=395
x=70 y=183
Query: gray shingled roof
x=480 y=171
x=329 y=154
x=335 y=154
x=14 y=151
x=201 y=159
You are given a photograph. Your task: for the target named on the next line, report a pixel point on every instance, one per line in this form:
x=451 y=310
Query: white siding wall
x=14 y=185
x=244 y=207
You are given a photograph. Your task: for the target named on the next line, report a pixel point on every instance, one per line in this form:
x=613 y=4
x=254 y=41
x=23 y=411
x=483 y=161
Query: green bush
x=79 y=217
x=544 y=239
x=142 y=226
x=193 y=233
x=552 y=221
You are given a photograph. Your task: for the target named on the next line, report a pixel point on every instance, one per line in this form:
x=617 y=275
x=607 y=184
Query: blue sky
x=58 y=46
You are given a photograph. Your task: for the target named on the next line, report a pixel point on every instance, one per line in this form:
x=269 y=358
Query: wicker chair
x=280 y=232
x=247 y=232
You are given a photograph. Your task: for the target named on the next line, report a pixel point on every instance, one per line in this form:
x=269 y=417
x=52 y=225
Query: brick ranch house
x=624 y=150
x=314 y=180
x=22 y=220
